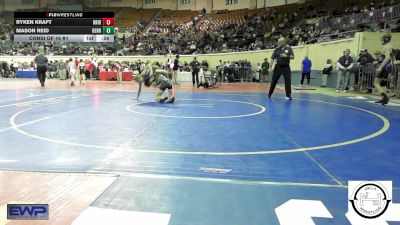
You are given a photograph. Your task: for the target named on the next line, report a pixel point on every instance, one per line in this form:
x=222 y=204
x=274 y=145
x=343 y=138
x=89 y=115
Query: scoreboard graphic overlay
x=64 y=26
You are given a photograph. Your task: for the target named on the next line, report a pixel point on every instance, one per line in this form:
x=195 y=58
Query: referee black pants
x=41 y=74
x=195 y=77
x=278 y=71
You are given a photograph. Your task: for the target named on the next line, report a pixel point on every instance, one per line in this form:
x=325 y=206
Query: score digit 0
x=108 y=21
x=108 y=30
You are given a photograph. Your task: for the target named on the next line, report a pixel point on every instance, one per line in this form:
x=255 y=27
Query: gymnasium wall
x=209 y=5
x=371 y=41
x=253 y=4
x=318 y=53
x=200 y=4
x=272 y=3
x=260 y=4
x=294 y=1
x=121 y=3
x=187 y=6
x=231 y=4
x=196 y=5
x=162 y=4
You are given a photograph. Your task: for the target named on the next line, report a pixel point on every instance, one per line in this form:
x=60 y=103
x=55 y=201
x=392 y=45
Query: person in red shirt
x=88 y=68
x=77 y=61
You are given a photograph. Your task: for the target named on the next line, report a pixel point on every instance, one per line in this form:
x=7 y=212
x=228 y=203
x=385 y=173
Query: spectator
x=72 y=71
x=364 y=60
x=5 y=69
x=14 y=67
x=52 y=69
x=204 y=33
x=326 y=72
x=175 y=70
x=118 y=68
x=82 y=76
x=204 y=65
x=345 y=65
x=88 y=69
x=61 y=69
x=306 y=65
x=257 y=74
x=95 y=68
x=77 y=62
x=265 y=71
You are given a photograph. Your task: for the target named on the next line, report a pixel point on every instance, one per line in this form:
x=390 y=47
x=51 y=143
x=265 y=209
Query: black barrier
x=396 y=79
x=366 y=77
x=243 y=74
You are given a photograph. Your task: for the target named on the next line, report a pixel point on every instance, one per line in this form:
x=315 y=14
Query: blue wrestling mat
x=208 y=158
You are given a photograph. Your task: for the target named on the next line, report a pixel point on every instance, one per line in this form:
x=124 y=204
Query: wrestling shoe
x=171 y=100
x=163 y=99
x=384 y=100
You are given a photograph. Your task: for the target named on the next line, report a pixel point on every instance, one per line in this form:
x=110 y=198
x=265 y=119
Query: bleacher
x=130 y=17
x=176 y=17
x=222 y=17
x=237 y=30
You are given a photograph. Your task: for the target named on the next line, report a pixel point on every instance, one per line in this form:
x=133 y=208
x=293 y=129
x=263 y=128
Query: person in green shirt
x=264 y=71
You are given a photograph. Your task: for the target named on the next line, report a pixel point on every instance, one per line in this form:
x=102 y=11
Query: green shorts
x=165 y=84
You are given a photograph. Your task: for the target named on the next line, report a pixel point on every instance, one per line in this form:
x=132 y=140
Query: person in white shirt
x=326 y=72
x=14 y=66
x=72 y=71
x=256 y=77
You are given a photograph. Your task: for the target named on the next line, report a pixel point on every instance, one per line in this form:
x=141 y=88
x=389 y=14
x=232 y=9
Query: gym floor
x=225 y=156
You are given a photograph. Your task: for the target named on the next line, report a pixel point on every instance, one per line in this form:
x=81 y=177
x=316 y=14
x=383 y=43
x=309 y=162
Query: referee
x=41 y=67
x=281 y=57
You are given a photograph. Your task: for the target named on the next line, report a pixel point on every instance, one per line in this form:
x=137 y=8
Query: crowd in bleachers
x=152 y=32
x=5 y=30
